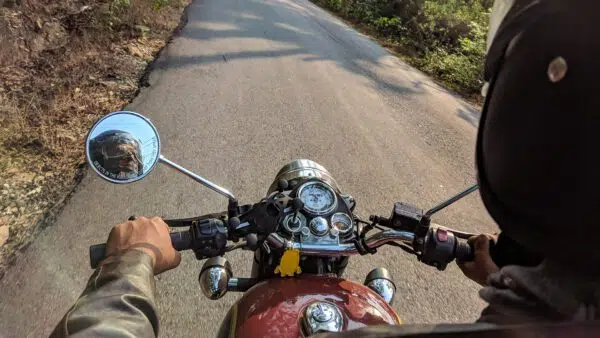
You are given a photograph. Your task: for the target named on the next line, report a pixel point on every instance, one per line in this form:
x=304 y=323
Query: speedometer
x=318 y=197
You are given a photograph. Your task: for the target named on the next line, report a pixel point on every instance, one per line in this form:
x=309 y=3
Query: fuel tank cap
x=322 y=317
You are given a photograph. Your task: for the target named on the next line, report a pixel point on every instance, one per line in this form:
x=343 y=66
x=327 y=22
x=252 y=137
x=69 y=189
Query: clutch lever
x=186 y=222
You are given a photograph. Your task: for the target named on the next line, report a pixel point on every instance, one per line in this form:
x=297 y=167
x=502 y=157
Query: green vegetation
x=445 y=38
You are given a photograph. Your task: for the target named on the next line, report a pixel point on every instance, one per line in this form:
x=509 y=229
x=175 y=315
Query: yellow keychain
x=289 y=264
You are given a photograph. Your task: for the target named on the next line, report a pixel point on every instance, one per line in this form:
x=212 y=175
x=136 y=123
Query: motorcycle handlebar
x=438 y=256
x=276 y=241
x=209 y=230
x=181 y=241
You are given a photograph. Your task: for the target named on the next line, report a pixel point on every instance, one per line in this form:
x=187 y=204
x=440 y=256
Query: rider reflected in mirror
x=117 y=154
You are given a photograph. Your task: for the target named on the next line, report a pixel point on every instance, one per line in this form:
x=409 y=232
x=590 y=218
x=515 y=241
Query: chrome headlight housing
x=303 y=169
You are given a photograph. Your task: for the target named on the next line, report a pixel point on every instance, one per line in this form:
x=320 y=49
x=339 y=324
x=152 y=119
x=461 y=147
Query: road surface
x=247 y=86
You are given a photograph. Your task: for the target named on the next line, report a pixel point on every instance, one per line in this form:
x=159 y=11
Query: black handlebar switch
x=209 y=238
x=438 y=248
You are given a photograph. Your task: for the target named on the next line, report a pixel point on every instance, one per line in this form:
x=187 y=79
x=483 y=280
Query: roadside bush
x=390 y=26
x=456 y=70
x=445 y=38
x=460 y=67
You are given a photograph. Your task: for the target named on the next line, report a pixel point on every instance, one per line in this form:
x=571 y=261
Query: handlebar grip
x=464 y=252
x=97 y=254
x=181 y=241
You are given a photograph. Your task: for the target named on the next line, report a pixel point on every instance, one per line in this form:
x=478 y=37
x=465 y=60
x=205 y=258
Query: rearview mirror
x=123 y=147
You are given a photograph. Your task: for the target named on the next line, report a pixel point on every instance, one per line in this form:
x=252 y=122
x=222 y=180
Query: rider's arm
x=117 y=302
x=119 y=298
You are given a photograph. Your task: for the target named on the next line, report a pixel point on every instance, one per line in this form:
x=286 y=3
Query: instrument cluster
x=325 y=217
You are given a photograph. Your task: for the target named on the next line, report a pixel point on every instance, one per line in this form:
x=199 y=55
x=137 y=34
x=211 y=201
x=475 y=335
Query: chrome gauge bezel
x=315 y=231
x=347 y=217
x=325 y=186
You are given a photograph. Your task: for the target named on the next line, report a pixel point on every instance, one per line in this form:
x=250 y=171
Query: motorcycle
x=302 y=235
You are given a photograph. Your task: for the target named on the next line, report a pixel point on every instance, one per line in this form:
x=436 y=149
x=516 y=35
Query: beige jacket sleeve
x=118 y=301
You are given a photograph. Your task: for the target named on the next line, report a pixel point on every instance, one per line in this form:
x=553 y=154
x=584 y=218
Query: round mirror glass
x=123 y=147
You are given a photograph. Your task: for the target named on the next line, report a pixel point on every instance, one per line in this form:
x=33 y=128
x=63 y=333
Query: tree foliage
x=445 y=38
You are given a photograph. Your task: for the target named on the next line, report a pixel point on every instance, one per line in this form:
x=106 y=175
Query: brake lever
x=457 y=233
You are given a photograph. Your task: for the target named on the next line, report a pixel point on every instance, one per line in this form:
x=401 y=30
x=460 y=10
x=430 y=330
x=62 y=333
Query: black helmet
x=107 y=149
x=538 y=142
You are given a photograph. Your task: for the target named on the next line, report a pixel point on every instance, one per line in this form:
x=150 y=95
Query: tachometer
x=318 y=197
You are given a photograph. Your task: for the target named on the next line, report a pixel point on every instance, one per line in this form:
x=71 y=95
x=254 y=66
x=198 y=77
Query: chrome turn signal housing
x=380 y=280
x=214 y=277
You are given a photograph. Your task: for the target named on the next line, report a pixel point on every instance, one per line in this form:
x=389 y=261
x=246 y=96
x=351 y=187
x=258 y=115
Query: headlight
x=303 y=169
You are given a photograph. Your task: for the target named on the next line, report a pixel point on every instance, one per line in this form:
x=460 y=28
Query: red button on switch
x=442 y=235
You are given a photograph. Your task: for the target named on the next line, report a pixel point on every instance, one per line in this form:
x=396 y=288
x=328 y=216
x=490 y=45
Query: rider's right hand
x=149 y=235
x=482 y=266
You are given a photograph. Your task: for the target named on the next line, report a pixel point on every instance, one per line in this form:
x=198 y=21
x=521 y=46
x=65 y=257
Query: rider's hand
x=482 y=266
x=150 y=235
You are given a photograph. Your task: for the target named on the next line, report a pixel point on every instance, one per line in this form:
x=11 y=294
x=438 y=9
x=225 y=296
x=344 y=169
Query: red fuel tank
x=275 y=307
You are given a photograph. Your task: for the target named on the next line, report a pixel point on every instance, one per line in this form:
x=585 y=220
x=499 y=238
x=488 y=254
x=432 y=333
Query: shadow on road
x=290 y=30
x=469 y=114
x=418 y=84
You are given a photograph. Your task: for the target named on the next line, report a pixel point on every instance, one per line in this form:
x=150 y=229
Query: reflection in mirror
x=123 y=147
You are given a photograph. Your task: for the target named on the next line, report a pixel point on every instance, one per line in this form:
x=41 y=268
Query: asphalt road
x=248 y=86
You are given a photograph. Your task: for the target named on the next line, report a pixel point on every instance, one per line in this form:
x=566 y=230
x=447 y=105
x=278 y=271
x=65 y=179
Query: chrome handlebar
x=276 y=241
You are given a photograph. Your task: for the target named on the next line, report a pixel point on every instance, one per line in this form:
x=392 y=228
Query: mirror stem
x=197 y=178
x=451 y=200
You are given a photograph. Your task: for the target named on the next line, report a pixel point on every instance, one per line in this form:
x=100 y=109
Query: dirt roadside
x=62 y=66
